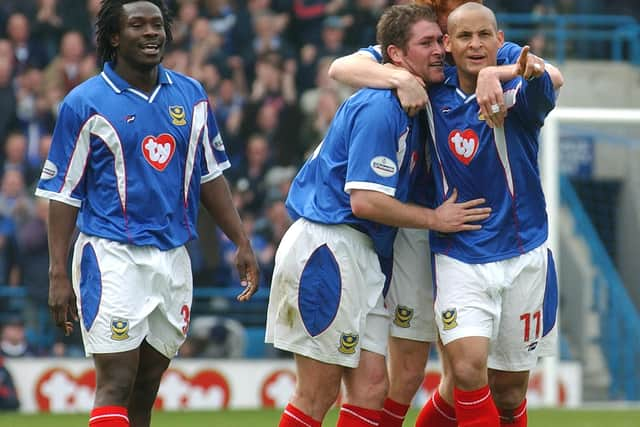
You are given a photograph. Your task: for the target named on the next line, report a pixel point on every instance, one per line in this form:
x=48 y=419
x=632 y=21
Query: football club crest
x=178 y=115
x=403 y=316
x=348 y=343
x=119 y=329
x=449 y=319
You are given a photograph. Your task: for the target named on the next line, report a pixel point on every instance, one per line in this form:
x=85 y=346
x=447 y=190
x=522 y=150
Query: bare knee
x=315 y=402
x=368 y=388
x=508 y=388
x=469 y=374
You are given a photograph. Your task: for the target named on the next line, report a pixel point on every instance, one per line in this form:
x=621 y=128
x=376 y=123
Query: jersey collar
x=118 y=84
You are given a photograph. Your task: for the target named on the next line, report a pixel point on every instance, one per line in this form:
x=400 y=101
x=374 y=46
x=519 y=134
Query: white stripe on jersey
x=198 y=129
x=402 y=147
x=432 y=131
x=101 y=128
x=503 y=155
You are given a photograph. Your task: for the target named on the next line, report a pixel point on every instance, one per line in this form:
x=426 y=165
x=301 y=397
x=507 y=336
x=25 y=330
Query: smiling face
x=424 y=52
x=473 y=41
x=141 y=40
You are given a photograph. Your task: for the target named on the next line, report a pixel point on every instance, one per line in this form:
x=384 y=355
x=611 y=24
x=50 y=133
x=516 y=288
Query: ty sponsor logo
x=158 y=150
x=464 y=144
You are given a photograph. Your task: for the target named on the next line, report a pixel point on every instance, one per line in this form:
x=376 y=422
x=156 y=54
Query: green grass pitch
x=269 y=418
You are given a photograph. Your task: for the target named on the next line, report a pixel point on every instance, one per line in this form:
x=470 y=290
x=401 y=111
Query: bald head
x=469 y=12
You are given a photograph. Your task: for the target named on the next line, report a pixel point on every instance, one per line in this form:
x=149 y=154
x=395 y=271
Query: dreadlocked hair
x=108 y=24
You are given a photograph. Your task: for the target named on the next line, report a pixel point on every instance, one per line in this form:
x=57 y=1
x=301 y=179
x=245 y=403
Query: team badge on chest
x=464 y=144
x=158 y=150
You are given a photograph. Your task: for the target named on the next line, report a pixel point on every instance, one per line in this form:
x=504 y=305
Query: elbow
x=335 y=71
x=360 y=205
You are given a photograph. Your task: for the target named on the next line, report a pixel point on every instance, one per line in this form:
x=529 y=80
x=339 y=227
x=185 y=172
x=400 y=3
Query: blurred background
x=264 y=66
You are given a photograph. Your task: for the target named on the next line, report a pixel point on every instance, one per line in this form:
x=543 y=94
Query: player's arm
x=216 y=198
x=489 y=90
x=447 y=218
x=62 y=300
x=361 y=69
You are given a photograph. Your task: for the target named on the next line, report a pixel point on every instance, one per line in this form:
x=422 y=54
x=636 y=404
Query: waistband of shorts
x=353 y=232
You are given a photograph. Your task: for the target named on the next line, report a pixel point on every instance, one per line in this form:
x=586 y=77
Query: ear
x=395 y=54
x=115 y=40
x=446 y=40
x=500 y=37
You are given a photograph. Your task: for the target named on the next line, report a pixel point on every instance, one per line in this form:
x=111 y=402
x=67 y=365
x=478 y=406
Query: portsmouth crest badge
x=403 y=316
x=348 y=343
x=449 y=319
x=178 y=116
x=119 y=329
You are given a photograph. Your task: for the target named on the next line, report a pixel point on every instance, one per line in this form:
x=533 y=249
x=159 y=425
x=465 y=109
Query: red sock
x=476 y=408
x=355 y=416
x=109 y=416
x=393 y=413
x=294 y=417
x=516 y=417
x=437 y=413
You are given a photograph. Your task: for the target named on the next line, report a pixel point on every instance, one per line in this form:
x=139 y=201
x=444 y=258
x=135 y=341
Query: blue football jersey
x=500 y=165
x=133 y=163
x=372 y=144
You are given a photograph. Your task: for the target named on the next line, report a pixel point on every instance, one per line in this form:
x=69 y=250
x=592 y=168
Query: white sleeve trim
x=58 y=197
x=364 y=185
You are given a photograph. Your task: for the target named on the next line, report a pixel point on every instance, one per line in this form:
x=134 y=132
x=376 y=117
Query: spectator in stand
x=48 y=27
x=32 y=260
x=308 y=16
x=228 y=103
x=363 y=15
x=331 y=45
x=253 y=169
x=13 y=338
x=8 y=117
x=15 y=157
x=188 y=12
x=8 y=393
x=12 y=192
x=316 y=123
x=70 y=67
x=27 y=50
x=205 y=46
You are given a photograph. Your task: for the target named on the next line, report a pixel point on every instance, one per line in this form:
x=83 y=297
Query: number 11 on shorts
x=526 y=318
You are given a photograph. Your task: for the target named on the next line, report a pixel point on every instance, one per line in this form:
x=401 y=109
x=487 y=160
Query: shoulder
x=184 y=82
x=87 y=91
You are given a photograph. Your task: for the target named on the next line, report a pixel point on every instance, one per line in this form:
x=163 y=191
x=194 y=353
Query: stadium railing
x=620 y=32
x=618 y=316
x=206 y=301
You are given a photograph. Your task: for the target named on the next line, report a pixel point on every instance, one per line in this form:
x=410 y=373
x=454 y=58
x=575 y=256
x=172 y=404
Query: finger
x=498 y=119
x=522 y=59
x=470 y=227
x=472 y=203
x=478 y=211
x=474 y=218
x=453 y=197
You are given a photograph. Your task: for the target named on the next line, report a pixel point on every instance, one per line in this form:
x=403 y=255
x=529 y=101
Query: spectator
x=8 y=393
x=253 y=169
x=48 y=27
x=215 y=337
x=27 y=51
x=33 y=265
x=70 y=67
x=8 y=118
x=13 y=339
x=15 y=157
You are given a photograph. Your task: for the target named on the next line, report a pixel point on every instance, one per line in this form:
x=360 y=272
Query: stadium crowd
x=264 y=66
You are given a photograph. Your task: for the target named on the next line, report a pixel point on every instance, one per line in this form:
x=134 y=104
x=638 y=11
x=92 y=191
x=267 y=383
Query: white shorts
x=410 y=296
x=127 y=293
x=503 y=301
x=326 y=295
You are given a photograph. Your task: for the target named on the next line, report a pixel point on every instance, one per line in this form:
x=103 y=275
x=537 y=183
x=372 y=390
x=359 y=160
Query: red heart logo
x=158 y=150
x=464 y=144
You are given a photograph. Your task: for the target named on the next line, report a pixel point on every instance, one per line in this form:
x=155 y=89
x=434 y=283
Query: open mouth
x=151 y=48
x=476 y=58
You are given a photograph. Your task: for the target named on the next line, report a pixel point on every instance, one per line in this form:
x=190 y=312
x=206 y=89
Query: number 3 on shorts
x=186 y=317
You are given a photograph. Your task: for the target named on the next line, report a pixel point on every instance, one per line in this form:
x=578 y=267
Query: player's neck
x=467 y=82
x=143 y=79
